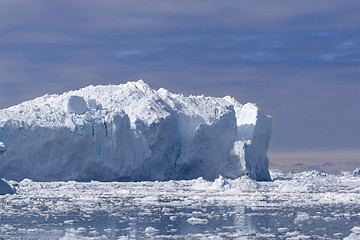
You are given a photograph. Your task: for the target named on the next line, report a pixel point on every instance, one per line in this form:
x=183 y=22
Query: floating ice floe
x=186 y=209
x=297 y=187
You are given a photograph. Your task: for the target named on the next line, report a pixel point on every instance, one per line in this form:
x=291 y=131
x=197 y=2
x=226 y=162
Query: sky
x=299 y=61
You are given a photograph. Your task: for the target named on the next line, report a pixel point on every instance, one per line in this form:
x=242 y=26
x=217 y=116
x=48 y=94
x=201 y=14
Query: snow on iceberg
x=131 y=132
x=76 y=104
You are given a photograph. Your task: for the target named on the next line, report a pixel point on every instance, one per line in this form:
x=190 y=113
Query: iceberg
x=131 y=132
x=5 y=188
x=356 y=172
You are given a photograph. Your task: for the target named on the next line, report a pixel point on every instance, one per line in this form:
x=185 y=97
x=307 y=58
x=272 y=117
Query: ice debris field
x=308 y=205
x=131 y=162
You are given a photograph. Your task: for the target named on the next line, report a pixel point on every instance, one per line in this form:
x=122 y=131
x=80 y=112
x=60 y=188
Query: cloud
x=158 y=14
x=298 y=60
x=40 y=37
x=130 y=53
x=133 y=54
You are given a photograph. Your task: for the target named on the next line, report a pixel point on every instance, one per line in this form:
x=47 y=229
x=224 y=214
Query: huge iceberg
x=130 y=132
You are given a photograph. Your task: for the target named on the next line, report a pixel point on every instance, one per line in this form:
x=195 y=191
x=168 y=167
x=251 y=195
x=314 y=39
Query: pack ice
x=130 y=132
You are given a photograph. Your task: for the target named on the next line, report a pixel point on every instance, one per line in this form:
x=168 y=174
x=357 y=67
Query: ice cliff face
x=131 y=132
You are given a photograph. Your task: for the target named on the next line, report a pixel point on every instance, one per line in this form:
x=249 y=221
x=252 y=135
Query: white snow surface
x=130 y=132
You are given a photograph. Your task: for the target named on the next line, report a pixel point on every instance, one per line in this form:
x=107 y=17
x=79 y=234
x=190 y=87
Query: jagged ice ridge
x=130 y=132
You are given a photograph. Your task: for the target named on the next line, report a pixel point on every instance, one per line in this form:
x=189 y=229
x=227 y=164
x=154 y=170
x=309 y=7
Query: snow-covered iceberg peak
x=130 y=132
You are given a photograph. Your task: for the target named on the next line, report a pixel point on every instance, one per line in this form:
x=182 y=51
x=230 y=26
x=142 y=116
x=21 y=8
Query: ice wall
x=131 y=132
